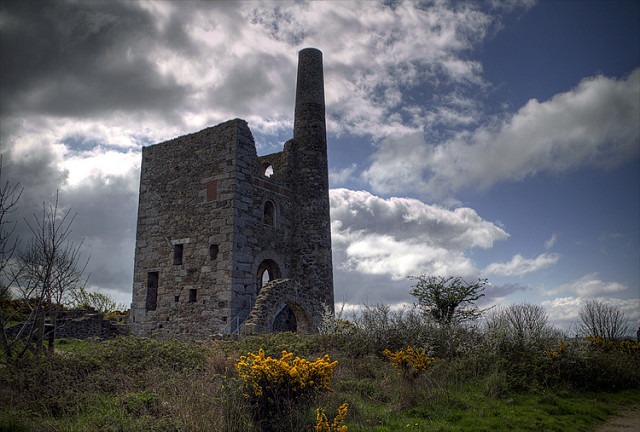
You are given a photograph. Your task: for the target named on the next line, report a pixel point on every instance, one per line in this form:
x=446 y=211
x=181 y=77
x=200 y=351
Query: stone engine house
x=228 y=241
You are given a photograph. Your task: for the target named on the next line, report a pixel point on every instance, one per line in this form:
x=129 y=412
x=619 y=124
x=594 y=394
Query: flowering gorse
x=410 y=361
x=624 y=347
x=336 y=426
x=558 y=352
x=293 y=378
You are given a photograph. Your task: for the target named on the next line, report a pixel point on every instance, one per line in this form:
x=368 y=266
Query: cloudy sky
x=482 y=139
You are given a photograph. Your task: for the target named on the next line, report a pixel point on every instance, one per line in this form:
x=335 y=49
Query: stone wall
x=88 y=324
x=274 y=297
x=213 y=227
x=83 y=324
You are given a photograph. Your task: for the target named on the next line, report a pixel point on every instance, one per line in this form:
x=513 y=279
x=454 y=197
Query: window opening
x=193 y=295
x=266 y=277
x=152 y=291
x=269 y=213
x=268 y=271
x=177 y=254
x=213 y=252
x=268 y=172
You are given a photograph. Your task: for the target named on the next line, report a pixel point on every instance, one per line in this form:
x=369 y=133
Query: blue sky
x=473 y=139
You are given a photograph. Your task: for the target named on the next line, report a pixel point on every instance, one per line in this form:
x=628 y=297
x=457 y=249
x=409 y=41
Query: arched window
x=268 y=270
x=268 y=169
x=269 y=213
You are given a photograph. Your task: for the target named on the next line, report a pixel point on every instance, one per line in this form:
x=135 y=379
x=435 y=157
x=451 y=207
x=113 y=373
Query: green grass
x=469 y=411
x=138 y=384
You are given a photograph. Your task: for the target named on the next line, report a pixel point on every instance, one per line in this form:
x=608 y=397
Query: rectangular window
x=177 y=254
x=152 y=291
x=193 y=295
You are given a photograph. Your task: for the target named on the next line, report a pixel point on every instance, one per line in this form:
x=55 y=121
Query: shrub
x=410 y=362
x=274 y=386
x=336 y=426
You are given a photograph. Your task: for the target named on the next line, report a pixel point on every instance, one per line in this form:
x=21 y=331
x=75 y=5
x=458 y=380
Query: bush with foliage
x=323 y=424
x=274 y=386
x=410 y=362
x=448 y=299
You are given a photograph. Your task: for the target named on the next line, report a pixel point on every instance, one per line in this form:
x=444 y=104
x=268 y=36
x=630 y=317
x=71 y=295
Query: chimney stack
x=311 y=240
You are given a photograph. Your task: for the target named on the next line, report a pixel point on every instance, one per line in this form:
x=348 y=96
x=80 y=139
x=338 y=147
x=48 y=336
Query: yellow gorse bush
x=558 y=352
x=287 y=377
x=625 y=346
x=410 y=361
x=336 y=426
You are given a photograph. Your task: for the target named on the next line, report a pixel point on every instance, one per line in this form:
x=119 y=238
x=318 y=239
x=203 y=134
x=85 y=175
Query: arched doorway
x=268 y=271
x=285 y=321
x=291 y=317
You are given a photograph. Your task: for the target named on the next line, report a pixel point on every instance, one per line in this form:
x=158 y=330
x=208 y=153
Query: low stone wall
x=88 y=324
x=83 y=324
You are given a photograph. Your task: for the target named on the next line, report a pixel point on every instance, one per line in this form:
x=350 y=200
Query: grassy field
x=476 y=382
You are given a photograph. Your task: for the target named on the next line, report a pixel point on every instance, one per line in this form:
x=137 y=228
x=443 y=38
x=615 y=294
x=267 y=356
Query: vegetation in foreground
x=385 y=371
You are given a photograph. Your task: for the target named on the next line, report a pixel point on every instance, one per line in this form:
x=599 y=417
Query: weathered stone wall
x=85 y=325
x=187 y=196
x=212 y=226
x=278 y=294
x=311 y=243
x=82 y=324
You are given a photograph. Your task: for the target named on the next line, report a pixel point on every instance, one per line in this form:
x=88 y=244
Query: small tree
x=448 y=299
x=9 y=271
x=601 y=319
x=44 y=272
x=523 y=324
x=81 y=298
x=9 y=198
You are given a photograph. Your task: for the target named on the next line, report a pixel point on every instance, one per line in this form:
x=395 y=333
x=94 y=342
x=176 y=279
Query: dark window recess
x=152 y=291
x=193 y=295
x=176 y=299
x=177 y=254
x=269 y=214
x=213 y=251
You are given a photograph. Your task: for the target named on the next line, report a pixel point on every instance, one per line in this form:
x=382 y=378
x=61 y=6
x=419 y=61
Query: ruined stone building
x=229 y=241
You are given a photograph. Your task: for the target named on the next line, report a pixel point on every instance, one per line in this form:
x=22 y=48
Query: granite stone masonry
x=225 y=237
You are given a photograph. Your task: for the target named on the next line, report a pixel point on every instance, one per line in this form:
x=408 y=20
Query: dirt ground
x=627 y=421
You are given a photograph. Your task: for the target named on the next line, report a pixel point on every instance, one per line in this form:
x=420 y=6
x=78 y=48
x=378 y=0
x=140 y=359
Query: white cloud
x=563 y=311
x=99 y=163
x=588 y=286
x=552 y=241
x=520 y=266
x=595 y=124
x=401 y=236
x=336 y=178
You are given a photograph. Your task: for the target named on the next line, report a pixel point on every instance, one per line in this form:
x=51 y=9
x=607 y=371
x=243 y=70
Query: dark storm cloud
x=256 y=79
x=76 y=58
x=106 y=223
